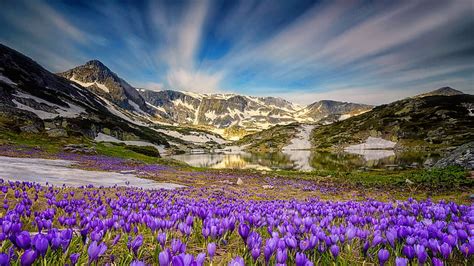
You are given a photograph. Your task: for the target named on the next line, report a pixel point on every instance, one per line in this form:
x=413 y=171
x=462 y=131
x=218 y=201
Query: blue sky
x=363 y=51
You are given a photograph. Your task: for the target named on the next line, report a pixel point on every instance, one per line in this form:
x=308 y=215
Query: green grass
x=55 y=145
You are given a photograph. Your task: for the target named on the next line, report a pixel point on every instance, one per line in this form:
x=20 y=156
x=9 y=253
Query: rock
x=227 y=182
x=267 y=187
x=239 y=182
x=79 y=148
x=29 y=129
x=462 y=156
x=128 y=171
x=57 y=133
x=429 y=162
x=409 y=182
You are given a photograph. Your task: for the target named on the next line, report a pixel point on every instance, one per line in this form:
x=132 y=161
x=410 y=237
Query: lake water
x=306 y=160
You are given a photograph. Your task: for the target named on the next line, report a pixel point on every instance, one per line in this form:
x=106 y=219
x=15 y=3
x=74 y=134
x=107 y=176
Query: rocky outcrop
x=462 y=156
x=420 y=122
x=98 y=78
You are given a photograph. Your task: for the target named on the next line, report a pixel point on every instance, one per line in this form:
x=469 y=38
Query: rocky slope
x=251 y=113
x=444 y=91
x=98 y=78
x=34 y=100
x=429 y=121
x=322 y=109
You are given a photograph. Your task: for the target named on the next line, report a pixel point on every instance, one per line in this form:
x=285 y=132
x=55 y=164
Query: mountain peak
x=95 y=63
x=444 y=91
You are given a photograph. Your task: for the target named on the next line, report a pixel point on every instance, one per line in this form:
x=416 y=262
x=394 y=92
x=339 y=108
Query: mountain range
x=93 y=101
x=210 y=111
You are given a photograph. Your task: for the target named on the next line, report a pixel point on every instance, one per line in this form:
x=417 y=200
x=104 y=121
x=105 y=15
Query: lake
x=305 y=160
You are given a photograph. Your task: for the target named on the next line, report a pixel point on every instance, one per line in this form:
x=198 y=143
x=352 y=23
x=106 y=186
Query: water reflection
x=305 y=160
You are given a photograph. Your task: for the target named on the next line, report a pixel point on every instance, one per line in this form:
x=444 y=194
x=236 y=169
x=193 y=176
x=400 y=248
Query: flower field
x=45 y=225
x=267 y=220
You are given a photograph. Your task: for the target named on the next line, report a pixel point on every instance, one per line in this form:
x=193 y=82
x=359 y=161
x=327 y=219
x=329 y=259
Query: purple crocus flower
x=281 y=255
x=41 y=244
x=23 y=240
x=137 y=263
x=28 y=257
x=95 y=251
x=116 y=239
x=466 y=249
x=445 y=250
x=401 y=261
x=334 y=250
x=162 y=239
x=177 y=261
x=164 y=258
x=176 y=246
x=383 y=256
x=200 y=258
x=421 y=253
x=255 y=253
x=291 y=242
x=4 y=259
x=74 y=258
x=437 y=262
x=244 y=231
x=300 y=259
x=267 y=253
x=409 y=252
x=136 y=244
x=211 y=250
x=237 y=261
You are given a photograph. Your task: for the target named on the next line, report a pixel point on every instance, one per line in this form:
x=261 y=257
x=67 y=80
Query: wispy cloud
x=369 y=52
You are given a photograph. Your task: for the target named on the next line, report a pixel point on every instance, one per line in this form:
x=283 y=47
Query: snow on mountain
x=302 y=140
x=98 y=78
x=220 y=111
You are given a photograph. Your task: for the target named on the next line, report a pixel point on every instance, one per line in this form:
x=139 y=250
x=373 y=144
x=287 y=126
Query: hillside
x=36 y=101
x=272 y=139
x=430 y=121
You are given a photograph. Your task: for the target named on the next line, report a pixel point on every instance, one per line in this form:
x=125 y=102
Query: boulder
x=462 y=156
x=57 y=133
x=79 y=148
x=29 y=129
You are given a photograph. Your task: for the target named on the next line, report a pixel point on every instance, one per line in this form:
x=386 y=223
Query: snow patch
x=88 y=84
x=195 y=137
x=71 y=112
x=469 y=107
x=302 y=139
x=59 y=172
x=7 y=80
x=101 y=137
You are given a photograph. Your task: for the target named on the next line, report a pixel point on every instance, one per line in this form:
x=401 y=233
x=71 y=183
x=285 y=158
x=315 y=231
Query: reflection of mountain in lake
x=300 y=158
x=371 y=155
x=305 y=160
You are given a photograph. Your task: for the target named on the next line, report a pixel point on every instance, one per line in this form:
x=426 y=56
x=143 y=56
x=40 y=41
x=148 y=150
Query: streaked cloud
x=369 y=52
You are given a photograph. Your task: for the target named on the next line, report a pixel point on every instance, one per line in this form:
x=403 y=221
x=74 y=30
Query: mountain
x=215 y=112
x=444 y=91
x=221 y=111
x=424 y=122
x=98 y=78
x=34 y=100
x=321 y=109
